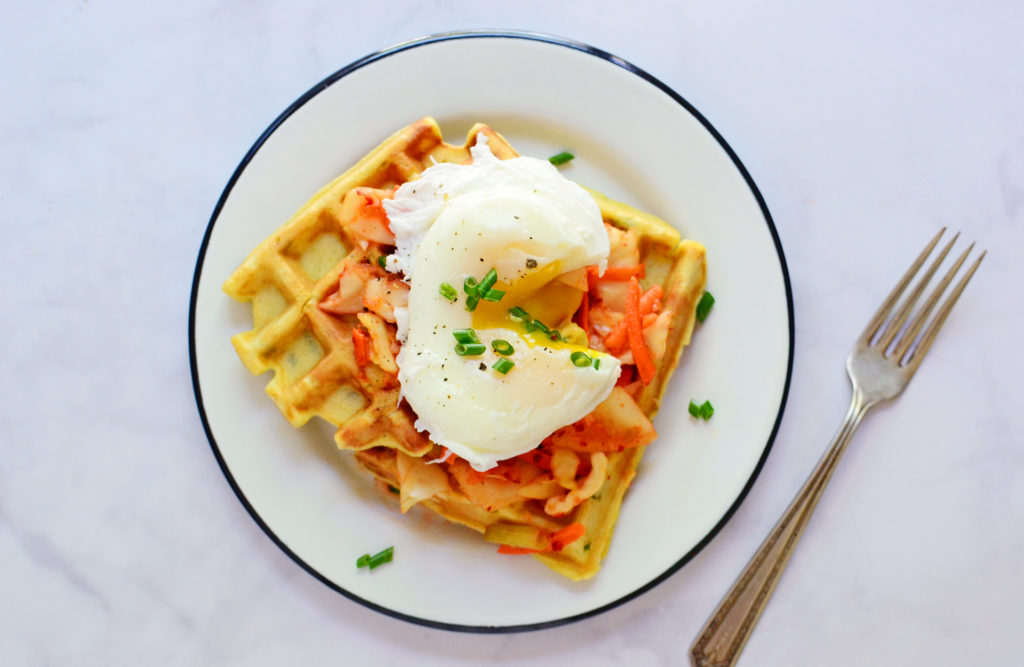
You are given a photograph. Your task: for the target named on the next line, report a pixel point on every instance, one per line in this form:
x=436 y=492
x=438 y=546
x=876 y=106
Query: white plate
x=635 y=140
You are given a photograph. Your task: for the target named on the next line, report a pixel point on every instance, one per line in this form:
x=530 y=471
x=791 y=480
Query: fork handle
x=726 y=632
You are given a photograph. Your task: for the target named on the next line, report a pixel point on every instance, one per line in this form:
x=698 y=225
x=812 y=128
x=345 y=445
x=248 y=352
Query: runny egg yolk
x=539 y=294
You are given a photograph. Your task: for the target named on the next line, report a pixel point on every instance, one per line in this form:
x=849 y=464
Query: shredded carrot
x=591 y=278
x=624 y=272
x=616 y=339
x=584 y=315
x=560 y=538
x=634 y=331
x=650 y=302
x=361 y=342
x=509 y=549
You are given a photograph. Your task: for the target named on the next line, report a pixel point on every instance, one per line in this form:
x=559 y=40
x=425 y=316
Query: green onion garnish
x=597 y=364
x=471 y=302
x=382 y=261
x=702 y=411
x=363 y=560
x=488 y=281
x=503 y=365
x=555 y=335
x=379 y=559
x=704 y=306
x=469 y=286
x=580 y=359
x=494 y=295
x=519 y=313
x=470 y=349
x=502 y=346
x=466 y=336
x=449 y=292
x=561 y=158
x=537 y=325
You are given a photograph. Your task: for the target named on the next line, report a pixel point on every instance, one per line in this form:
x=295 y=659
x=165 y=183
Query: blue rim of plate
x=425 y=41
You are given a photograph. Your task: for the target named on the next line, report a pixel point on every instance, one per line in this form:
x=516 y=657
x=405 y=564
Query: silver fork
x=880 y=365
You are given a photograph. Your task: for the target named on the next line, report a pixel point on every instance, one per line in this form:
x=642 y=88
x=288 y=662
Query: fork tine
x=919 y=319
x=915 y=294
x=890 y=301
x=929 y=335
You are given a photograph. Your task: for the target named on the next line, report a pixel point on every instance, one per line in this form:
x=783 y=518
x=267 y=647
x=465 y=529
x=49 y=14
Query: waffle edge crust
x=313 y=359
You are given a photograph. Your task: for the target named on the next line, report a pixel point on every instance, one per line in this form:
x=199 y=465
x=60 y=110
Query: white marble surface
x=866 y=126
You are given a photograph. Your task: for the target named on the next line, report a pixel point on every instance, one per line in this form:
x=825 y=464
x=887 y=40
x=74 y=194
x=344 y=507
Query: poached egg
x=531 y=224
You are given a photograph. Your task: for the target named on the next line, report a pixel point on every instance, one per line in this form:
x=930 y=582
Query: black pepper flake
x=531 y=263
x=483 y=366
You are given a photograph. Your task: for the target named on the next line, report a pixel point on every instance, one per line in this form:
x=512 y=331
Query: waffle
x=314 y=360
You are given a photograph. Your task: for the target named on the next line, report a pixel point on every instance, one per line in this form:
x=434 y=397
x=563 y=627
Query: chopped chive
x=704 y=306
x=537 y=325
x=519 y=313
x=449 y=292
x=382 y=261
x=597 y=364
x=470 y=349
x=471 y=302
x=556 y=336
x=363 y=560
x=494 y=295
x=466 y=336
x=503 y=365
x=488 y=281
x=561 y=158
x=580 y=359
x=379 y=559
x=502 y=346
x=469 y=286
x=702 y=411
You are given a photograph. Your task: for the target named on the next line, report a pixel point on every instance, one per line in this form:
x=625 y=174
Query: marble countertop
x=865 y=128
